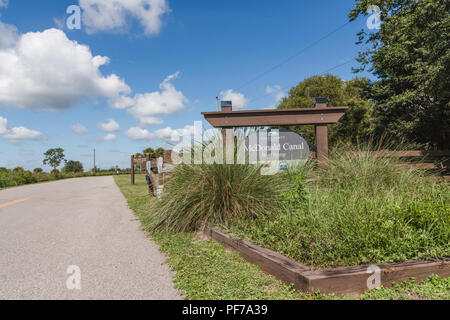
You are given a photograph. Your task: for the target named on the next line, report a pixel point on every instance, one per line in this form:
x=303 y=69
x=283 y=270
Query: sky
x=138 y=73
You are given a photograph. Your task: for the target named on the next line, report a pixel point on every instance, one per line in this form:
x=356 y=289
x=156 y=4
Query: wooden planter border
x=348 y=281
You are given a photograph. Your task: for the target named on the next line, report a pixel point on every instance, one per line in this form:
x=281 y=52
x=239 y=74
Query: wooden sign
x=147 y=163
x=320 y=116
x=276 y=145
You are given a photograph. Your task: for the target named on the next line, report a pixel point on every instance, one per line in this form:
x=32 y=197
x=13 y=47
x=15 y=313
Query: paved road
x=45 y=228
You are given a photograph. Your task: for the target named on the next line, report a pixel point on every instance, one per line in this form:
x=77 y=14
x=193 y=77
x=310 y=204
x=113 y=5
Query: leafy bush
x=20 y=176
x=55 y=174
x=73 y=167
x=198 y=194
x=6 y=179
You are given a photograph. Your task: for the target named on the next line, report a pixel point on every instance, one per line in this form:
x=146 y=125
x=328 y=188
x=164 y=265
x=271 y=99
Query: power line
x=291 y=85
x=292 y=57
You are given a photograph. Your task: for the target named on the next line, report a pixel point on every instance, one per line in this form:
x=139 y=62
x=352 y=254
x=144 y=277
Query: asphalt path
x=77 y=239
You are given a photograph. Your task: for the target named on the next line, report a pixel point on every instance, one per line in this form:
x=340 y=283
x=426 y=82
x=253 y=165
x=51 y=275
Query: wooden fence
x=425 y=160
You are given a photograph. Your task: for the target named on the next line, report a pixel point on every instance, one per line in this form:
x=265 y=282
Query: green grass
x=205 y=270
x=358 y=210
x=433 y=288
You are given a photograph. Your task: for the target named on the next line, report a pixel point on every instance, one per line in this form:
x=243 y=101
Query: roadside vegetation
x=19 y=176
x=362 y=208
x=53 y=158
x=206 y=270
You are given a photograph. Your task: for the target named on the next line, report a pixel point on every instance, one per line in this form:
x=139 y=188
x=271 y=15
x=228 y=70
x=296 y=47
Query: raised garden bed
x=348 y=281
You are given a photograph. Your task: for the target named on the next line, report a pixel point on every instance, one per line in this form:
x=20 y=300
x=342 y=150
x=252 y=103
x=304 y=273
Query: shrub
x=55 y=175
x=6 y=179
x=73 y=167
x=21 y=176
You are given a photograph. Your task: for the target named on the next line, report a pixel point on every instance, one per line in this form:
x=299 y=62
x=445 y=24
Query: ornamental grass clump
x=216 y=193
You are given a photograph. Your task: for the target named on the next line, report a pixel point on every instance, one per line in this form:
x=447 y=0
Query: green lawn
x=206 y=270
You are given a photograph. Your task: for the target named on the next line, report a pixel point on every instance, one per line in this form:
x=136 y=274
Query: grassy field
x=206 y=270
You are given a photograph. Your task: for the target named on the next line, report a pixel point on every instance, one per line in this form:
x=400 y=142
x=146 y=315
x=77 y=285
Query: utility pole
x=95 y=169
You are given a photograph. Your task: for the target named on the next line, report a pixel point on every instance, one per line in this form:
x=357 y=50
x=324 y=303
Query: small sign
x=276 y=145
x=159 y=164
x=168 y=168
x=159 y=192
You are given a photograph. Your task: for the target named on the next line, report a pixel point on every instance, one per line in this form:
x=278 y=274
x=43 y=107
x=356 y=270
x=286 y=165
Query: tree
x=18 y=170
x=410 y=54
x=73 y=167
x=54 y=157
x=154 y=153
x=355 y=126
x=38 y=170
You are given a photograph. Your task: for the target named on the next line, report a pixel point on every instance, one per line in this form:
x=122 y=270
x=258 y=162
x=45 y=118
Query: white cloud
x=122 y=102
x=4 y=3
x=149 y=121
x=109 y=126
x=137 y=133
x=238 y=99
x=47 y=71
x=22 y=133
x=17 y=133
x=147 y=107
x=114 y=15
x=169 y=134
x=79 y=129
x=110 y=137
x=277 y=92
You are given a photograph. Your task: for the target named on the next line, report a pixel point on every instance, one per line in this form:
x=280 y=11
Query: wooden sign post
x=141 y=162
x=163 y=164
x=321 y=134
x=151 y=182
x=320 y=116
x=132 y=169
